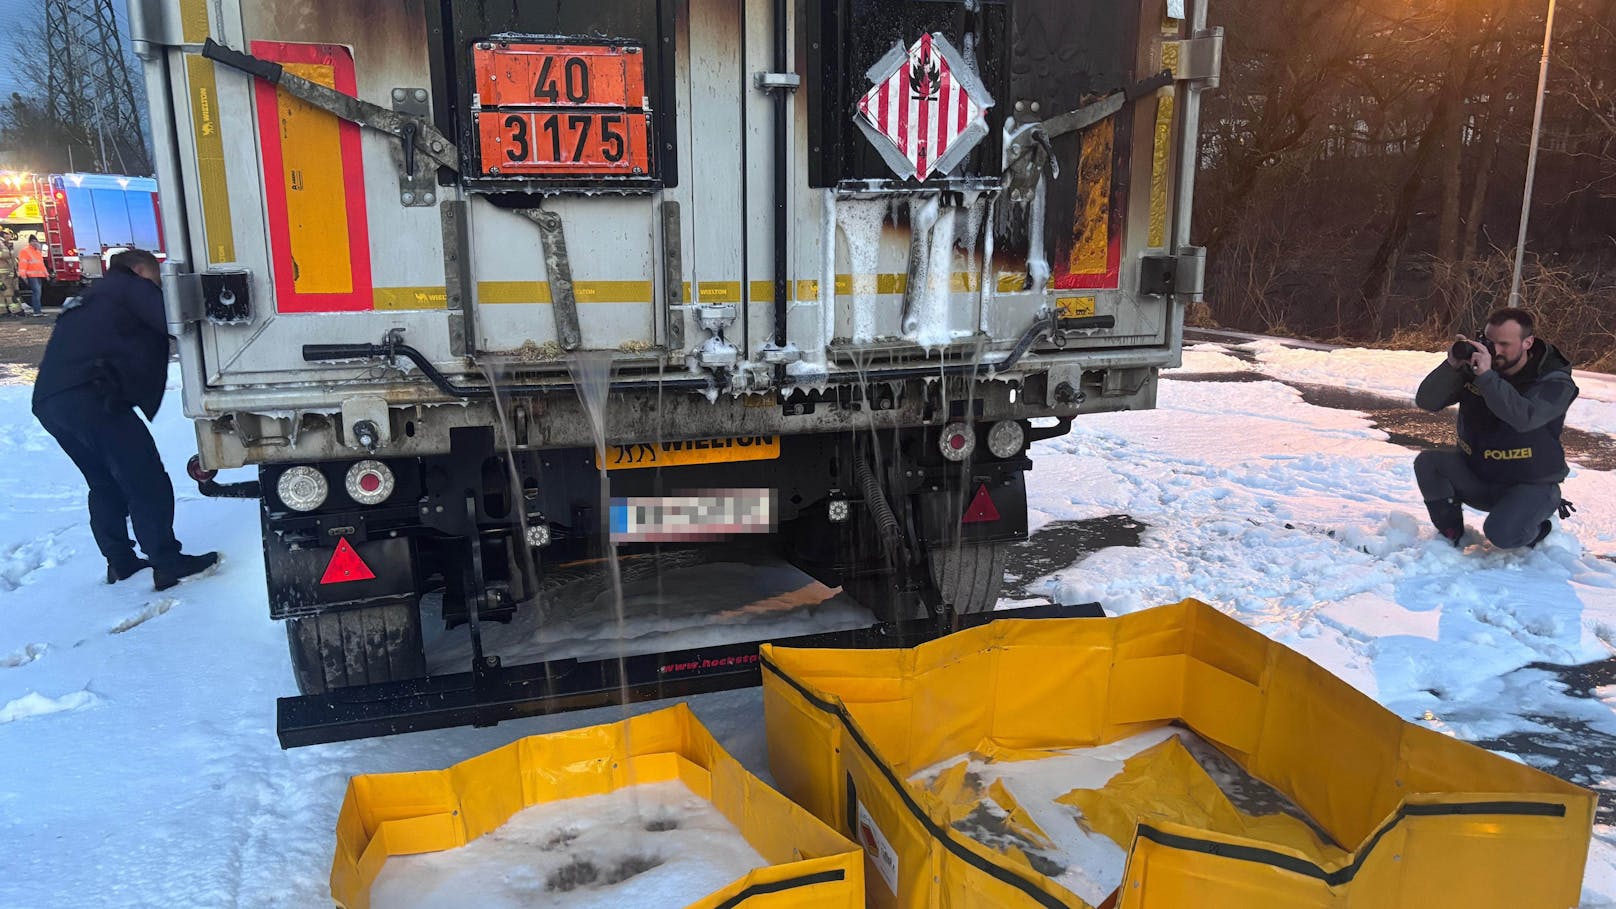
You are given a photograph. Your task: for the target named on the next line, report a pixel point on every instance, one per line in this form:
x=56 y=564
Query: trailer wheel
x=349 y=647
x=970 y=575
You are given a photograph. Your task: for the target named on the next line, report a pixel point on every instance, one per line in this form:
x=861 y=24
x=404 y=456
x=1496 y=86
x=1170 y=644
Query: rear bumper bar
x=491 y=694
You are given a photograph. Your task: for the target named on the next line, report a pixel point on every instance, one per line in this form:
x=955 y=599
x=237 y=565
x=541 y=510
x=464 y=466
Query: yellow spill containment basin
x=1402 y=817
x=389 y=814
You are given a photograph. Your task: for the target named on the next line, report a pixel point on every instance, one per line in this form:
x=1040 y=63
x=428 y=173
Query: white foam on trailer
x=647 y=846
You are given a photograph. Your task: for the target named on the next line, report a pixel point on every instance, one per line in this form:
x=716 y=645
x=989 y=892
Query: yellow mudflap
x=1410 y=819
x=391 y=814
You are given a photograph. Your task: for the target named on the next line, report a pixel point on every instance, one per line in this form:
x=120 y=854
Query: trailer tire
x=347 y=647
x=970 y=575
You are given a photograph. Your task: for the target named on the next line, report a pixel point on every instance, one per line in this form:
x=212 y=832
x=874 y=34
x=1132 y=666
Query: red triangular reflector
x=981 y=509
x=346 y=565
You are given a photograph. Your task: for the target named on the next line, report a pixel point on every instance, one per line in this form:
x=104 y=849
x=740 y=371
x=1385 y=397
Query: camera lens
x=1461 y=350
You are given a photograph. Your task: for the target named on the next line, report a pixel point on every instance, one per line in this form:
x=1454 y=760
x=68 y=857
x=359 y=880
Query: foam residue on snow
x=640 y=847
x=1397 y=373
x=35 y=704
x=861 y=222
x=1209 y=358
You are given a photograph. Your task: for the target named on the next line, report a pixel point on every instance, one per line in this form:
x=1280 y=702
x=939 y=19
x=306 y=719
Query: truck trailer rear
x=815 y=272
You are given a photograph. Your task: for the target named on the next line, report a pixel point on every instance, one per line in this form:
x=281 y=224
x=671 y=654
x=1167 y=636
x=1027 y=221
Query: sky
x=138 y=728
x=14 y=13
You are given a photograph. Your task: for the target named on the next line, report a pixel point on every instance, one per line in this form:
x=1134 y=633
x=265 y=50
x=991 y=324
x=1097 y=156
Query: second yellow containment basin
x=917 y=754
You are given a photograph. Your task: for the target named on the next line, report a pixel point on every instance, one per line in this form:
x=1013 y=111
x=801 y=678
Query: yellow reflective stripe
x=582 y=291
x=411 y=297
x=513 y=292
x=500 y=292
x=214 y=186
x=1091 y=226
x=612 y=291
x=1012 y=283
x=194 y=21
x=719 y=291
x=316 y=188
x=1160 y=148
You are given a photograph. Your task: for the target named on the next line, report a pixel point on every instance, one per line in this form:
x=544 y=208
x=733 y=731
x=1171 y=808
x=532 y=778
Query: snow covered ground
x=137 y=741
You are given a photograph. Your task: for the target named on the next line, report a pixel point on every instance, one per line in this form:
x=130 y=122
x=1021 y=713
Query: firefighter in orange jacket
x=31 y=268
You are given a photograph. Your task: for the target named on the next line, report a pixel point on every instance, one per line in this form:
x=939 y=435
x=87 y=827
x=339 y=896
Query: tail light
x=369 y=482
x=957 y=442
x=302 y=488
x=1006 y=438
x=194 y=468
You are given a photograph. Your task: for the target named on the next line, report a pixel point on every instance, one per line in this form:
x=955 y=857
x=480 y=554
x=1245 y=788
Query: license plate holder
x=693 y=516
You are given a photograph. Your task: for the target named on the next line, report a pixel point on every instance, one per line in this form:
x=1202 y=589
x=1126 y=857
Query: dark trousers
x=1515 y=512
x=114 y=450
x=37 y=286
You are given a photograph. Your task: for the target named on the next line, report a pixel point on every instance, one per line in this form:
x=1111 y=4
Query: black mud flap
x=491 y=694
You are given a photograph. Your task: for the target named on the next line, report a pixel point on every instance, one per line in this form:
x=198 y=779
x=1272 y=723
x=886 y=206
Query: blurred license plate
x=704 y=514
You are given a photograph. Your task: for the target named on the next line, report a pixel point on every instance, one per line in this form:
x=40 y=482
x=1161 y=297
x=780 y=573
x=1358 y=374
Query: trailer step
x=494 y=693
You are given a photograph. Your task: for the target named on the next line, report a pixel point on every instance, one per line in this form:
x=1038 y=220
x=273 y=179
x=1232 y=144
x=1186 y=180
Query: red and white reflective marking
x=921 y=106
x=981 y=510
x=346 y=565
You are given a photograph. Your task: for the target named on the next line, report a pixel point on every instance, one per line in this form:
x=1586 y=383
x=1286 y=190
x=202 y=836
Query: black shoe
x=116 y=573
x=1447 y=515
x=184 y=567
x=1542 y=531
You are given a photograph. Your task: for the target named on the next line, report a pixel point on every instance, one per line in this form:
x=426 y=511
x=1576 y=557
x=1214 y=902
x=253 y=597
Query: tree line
x=1362 y=167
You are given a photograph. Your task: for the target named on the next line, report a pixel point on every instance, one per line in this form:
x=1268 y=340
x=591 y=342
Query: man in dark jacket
x=107 y=356
x=1509 y=462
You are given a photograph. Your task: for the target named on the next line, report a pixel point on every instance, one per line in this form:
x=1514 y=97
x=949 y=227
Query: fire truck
x=810 y=272
x=80 y=217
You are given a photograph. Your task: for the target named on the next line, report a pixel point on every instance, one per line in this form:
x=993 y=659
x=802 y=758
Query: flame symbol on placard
x=924 y=77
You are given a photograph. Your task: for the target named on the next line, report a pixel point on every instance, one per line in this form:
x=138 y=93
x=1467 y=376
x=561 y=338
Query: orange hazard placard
x=560 y=75
x=563 y=142
x=562 y=110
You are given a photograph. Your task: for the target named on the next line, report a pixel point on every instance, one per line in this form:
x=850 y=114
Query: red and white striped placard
x=921 y=107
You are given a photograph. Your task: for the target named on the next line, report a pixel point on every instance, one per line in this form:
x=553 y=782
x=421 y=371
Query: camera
x=1462 y=351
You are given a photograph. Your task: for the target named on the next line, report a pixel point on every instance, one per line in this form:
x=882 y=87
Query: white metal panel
x=718 y=213
x=389 y=45
x=610 y=245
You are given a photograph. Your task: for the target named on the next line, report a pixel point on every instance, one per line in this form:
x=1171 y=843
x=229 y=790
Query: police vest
x=1498 y=453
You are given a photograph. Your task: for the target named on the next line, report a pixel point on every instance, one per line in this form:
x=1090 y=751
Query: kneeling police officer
x=1513 y=390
